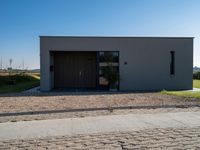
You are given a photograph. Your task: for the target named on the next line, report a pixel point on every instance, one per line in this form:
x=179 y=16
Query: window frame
x=102 y=64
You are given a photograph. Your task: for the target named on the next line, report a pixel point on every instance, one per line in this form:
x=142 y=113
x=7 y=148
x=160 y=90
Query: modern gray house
x=142 y=63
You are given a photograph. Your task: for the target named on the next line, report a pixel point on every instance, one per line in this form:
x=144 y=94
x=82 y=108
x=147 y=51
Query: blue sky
x=22 y=21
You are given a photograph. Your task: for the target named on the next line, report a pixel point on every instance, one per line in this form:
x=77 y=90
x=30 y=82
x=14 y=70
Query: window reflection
x=107 y=59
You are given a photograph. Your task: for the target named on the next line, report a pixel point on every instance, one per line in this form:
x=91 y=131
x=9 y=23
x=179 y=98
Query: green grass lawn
x=18 y=82
x=196 y=84
x=183 y=93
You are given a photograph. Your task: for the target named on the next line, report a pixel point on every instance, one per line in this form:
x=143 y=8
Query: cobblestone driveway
x=169 y=138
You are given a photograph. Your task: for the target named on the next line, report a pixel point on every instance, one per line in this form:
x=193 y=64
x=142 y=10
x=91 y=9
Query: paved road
x=101 y=124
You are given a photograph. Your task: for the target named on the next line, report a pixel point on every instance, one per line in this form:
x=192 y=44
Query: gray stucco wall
x=148 y=59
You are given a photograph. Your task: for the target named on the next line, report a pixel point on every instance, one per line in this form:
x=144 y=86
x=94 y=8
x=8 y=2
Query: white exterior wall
x=148 y=59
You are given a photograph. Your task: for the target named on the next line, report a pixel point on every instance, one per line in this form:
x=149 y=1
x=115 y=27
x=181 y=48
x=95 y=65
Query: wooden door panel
x=75 y=70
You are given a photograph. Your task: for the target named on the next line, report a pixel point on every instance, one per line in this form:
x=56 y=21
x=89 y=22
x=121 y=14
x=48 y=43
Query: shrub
x=111 y=75
x=196 y=75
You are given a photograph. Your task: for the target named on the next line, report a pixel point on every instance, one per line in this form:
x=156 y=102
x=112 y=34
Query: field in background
x=17 y=82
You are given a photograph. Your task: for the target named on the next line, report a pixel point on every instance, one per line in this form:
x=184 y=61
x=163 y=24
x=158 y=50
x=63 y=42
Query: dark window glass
x=108 y=56
x=116 y=68
x=172 y=64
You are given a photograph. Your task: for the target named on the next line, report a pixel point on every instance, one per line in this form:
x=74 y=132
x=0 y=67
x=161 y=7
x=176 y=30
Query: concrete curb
x=6 y=114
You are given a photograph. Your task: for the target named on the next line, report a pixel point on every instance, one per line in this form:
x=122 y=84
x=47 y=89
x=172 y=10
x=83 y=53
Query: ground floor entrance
x=83 y=69
x=74 y=70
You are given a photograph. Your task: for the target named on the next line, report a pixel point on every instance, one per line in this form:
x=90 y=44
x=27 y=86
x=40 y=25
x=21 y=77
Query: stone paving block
x=125 y=140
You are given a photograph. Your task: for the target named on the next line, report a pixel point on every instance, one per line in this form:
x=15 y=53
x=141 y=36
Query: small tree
x=196 y=75
x=10 y=68
x=10 y=62
x=11 y=80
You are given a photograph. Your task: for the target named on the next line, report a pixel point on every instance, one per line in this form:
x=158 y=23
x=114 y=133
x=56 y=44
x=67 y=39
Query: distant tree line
x=196 y=75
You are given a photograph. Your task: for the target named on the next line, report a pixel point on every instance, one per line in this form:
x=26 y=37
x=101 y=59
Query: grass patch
x=195 y=94
x=35 y=75
x=183 y=93
x=18 y=82
x=196 y=83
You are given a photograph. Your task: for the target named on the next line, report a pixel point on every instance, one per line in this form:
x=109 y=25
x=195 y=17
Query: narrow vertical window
x=172 y=63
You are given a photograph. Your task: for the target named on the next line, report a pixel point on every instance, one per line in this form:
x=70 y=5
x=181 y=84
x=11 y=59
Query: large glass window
x=108 y=59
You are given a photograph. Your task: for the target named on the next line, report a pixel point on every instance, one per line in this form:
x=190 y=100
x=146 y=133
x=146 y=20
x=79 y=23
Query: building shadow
x=71 y=93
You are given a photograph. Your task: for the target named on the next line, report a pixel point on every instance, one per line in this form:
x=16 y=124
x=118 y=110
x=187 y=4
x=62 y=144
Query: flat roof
x=43 y=36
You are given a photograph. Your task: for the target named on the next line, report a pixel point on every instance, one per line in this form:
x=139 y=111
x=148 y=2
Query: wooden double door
x=75 y=70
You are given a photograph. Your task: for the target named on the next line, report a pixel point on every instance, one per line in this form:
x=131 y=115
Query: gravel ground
x=24 y=102
x=168 y=138
x=55 y=101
